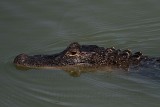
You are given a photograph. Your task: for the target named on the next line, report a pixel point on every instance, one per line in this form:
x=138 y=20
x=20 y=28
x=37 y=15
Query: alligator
x=90 y=56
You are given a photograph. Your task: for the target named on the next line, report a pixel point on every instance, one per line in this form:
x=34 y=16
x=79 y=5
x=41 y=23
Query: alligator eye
x=73 y=53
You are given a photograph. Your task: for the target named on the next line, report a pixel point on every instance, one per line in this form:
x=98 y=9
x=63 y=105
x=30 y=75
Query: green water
x=46 y=27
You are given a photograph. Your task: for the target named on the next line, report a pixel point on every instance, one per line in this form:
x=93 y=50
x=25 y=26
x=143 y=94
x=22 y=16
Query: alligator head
x=74 y=54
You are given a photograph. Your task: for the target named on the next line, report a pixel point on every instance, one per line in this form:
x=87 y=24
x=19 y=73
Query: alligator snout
x=21 y=59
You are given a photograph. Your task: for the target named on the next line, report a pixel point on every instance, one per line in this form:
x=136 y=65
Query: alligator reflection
x=77 y=71
x=74 y=71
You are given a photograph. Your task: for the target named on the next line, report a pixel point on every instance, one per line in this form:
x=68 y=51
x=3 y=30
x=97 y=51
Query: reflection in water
x=76 y=71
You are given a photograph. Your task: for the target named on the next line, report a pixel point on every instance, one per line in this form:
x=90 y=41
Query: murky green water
x=46 y=27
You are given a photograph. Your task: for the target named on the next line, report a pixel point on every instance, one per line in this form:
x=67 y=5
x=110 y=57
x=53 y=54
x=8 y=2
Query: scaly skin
x=88 y=56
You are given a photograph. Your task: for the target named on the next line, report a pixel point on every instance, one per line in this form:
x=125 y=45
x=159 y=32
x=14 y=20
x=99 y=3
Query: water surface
x=46 y=27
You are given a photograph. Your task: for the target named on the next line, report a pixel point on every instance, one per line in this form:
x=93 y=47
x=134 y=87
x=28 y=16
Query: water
x=46 y=27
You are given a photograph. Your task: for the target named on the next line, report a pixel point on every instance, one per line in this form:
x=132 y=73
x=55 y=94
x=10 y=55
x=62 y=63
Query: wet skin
x=91 y=56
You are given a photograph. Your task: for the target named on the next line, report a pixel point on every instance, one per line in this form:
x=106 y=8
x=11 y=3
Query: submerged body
x=88 y=56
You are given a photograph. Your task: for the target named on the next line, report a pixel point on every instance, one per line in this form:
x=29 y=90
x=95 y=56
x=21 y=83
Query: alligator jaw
x=25 y=62
x=36 y=61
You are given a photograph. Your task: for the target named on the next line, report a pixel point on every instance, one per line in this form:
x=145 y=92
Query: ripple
x=50 y=27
